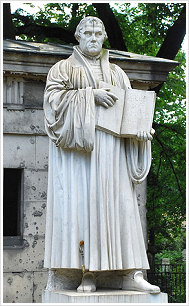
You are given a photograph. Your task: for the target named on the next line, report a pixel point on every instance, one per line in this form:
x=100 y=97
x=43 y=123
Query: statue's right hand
x=104 y=97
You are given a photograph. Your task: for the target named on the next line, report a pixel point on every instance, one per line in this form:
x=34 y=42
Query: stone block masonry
x=26 y=148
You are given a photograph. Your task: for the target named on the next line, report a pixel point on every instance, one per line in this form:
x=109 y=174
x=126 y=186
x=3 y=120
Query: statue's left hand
x=144 y=136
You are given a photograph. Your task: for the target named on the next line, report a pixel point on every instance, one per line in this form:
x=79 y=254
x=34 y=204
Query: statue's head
x=90 y=33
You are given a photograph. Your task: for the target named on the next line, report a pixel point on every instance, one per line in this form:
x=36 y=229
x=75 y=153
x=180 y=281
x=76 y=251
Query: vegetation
x=166 y=180
x=156 y=29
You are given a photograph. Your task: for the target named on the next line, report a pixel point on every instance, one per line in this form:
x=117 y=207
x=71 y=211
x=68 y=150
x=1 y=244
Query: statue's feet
x=88 y=283
x=135 y=281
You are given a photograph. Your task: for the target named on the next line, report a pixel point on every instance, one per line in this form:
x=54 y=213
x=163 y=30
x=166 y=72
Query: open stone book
x=131 y=113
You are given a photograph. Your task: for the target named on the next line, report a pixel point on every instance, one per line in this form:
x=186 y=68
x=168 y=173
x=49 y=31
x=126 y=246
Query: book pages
x=138 y=112
x=109 y=119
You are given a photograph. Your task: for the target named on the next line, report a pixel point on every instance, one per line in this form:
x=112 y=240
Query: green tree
x=166 y=180
x=155 y=29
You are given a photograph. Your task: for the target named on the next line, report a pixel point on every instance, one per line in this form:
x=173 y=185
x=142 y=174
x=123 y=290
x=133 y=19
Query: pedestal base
x=103 y=296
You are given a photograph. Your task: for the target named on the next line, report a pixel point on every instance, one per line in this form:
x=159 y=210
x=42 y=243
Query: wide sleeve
x=138 y=159
x=69 y=112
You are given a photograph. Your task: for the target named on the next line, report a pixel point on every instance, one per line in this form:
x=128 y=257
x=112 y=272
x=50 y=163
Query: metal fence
x=171 y=279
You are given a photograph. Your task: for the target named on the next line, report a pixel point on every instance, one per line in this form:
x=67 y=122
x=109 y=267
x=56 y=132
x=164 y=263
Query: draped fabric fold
x=90 y=193
x=139 y=159
x=69 y=114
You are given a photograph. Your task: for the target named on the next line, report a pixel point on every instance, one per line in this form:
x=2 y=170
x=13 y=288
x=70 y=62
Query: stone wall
x=26 y=147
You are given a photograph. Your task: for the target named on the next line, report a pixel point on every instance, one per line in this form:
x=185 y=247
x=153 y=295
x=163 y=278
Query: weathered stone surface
x=103 y=296
x=138 y=112
x=34 y=218
x=24 y=287
x=40 y=282
x=33 y=93
x=141 y=190
x=18 y=287
x=28 y=121
x=42 y=152
x=32 y=65
x=29 y=258
x=13 y=90
x=19 y=151
x=35 y=185
x=140 y=68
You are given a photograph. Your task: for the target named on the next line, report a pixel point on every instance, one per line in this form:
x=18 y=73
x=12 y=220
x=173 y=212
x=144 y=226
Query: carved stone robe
x=91 y=194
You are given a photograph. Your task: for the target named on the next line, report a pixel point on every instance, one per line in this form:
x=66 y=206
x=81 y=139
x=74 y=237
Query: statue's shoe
x=135 y=281
x=87 y=283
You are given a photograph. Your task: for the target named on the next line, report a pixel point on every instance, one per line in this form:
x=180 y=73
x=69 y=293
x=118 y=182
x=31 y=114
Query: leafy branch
x=172 y=167
x=173 y=127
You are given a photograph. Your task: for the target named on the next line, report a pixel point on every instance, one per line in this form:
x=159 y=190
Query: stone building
x=26 y=65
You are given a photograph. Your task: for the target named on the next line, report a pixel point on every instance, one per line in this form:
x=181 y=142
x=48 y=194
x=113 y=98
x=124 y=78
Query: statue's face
x=91 y=38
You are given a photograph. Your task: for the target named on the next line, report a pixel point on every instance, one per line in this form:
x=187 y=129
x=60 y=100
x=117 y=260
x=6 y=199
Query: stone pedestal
x=103 y=296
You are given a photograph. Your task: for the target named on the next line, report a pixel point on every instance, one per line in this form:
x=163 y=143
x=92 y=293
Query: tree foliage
x=146 y=26
x=155 y=29
x=166 y=181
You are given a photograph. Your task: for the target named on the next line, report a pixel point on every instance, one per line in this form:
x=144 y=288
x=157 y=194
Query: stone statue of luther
x=91 y=202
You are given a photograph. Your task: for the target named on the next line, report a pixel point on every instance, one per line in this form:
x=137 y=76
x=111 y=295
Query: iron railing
x=171 y=279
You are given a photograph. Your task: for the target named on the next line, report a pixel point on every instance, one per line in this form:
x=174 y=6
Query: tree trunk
x=151 y=249
x=113 y=30
x=173 y=40
x=33 y=29
x=174 y=37
x=8 y=27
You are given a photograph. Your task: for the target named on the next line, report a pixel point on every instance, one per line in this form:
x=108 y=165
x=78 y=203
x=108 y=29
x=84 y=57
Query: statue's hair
x=89 y=19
